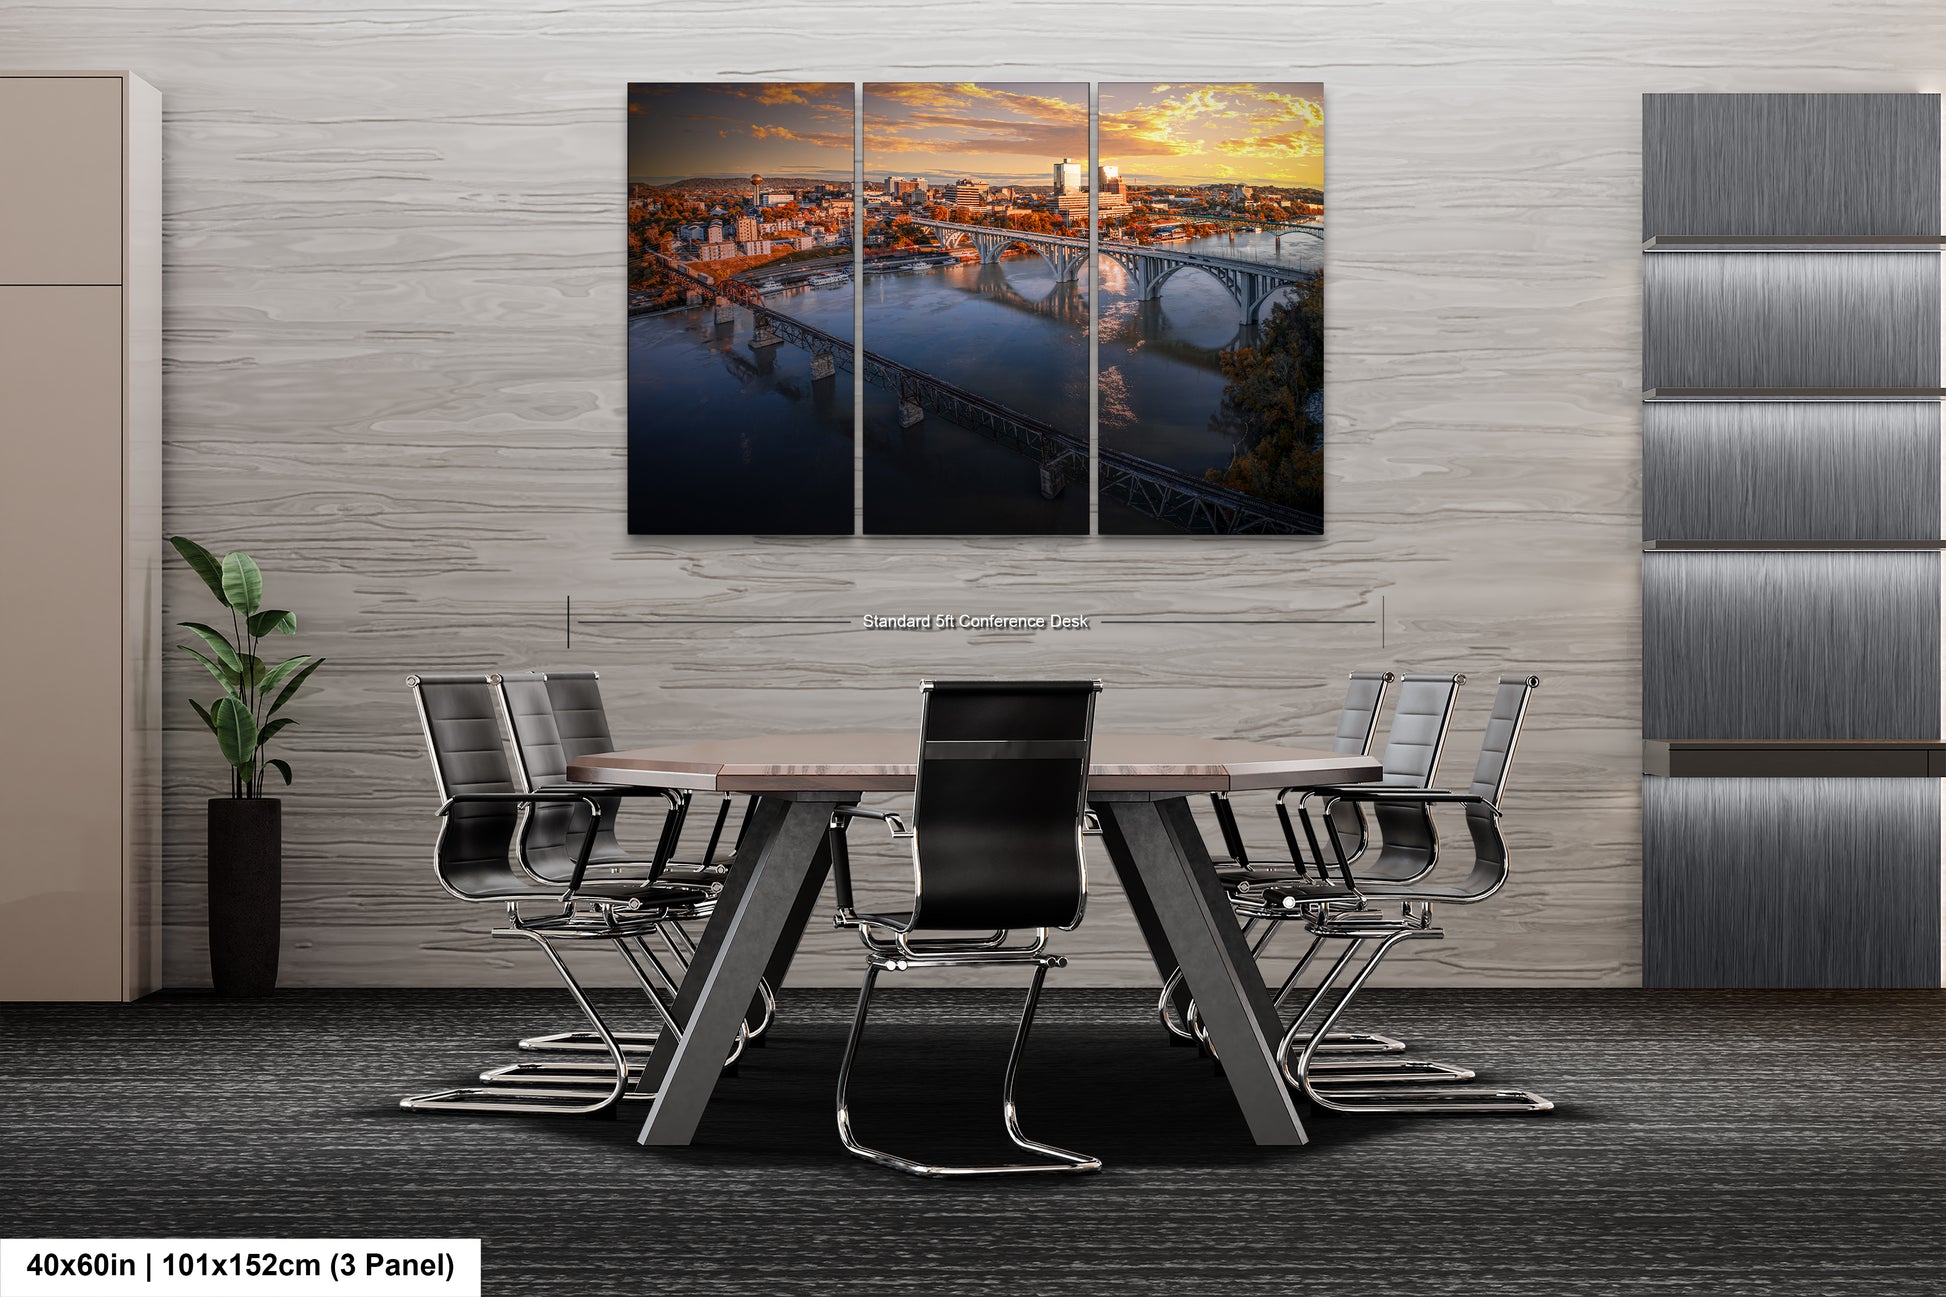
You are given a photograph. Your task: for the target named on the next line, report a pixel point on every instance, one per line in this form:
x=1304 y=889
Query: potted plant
x=246 y=848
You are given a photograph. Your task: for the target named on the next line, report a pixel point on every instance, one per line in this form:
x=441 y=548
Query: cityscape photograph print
x=975 y=284
x=1210 y=210
x=740 y=302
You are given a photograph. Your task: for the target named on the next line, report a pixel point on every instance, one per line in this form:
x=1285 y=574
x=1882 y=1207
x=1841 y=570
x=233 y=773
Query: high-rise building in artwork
x=1067 y=177
x=969 y=193
x=715 y=234
x=746 y=228
x=1110 y=177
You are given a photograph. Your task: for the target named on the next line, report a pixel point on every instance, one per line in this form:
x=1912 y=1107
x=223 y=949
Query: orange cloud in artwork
x=1187 y=134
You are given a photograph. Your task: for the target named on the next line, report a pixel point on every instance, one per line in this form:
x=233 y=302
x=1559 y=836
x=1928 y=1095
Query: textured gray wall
x=396 y=364
x=1739 y=319
x=1779 y=471
x=1725 y=165
x=1791 y=882
x=1790 y=646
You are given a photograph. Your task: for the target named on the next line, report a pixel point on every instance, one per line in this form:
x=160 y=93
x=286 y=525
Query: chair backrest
x=1357 y=725
x=1509 y=714
x=539 y=707
x=1409 y=839
x=462 y=731
x=998 y=805
x=1358 y=719
x=1417 y=738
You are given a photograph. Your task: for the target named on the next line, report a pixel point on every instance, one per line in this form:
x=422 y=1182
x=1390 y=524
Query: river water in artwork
x=708 y=408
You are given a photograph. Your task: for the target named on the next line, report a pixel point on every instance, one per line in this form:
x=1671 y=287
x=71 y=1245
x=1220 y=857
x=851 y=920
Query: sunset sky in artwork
x=681 y=130
x=1262 y=133
x=1009 y=132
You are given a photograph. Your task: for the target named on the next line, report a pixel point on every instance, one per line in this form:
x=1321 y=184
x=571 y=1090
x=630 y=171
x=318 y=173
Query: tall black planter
x=246 y=884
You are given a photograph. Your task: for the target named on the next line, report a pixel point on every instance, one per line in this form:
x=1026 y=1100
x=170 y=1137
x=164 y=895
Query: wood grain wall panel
x=1791 y=645
x=1791 y=882
x=394 y=333
x=1738 y=319
x=1725 y=165
x=1779 y=471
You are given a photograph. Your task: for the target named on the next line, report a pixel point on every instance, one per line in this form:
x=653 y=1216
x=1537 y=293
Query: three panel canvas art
x=1038 y=322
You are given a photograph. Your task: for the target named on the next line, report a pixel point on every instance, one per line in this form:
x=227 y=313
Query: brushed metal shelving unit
x=1792 y=541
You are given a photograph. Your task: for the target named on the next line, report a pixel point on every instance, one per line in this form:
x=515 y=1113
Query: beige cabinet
x=81 y=534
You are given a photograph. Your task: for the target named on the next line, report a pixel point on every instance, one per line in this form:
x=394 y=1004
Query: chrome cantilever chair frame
x=531 y=705
x=1408 y=842
x=477 y=864
x=893 y=943
x=1358 y=926
x=1357 y=725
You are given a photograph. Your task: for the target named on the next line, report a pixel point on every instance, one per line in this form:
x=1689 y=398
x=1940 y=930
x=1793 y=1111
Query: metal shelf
x=1795 y=243
x=1794 y=758
x=1885 y=546
x=1794 y=394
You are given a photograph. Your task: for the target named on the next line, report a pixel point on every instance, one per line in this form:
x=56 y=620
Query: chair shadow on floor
x=1118 y=1089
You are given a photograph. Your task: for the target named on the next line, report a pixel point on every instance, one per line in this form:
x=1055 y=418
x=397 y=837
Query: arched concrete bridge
x=1249 y=283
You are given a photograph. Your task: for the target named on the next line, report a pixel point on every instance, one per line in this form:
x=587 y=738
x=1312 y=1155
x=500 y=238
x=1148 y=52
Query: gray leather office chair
x=998 y=814
x=475 y=859
x=1357 y=924
x=1414 y=743
x=1357 y=725
x=555 y=717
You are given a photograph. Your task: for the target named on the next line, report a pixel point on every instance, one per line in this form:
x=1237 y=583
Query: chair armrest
x=1421 y=796
x=891 y=819
x=1090 y=824
x=552 y=795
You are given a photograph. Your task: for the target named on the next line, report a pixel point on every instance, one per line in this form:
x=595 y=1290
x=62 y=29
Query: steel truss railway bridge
x=1249 y=283
x=1150 y=489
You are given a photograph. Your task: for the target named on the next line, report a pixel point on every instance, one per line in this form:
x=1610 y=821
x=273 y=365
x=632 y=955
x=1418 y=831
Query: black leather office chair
x=998 y=814
x=1357 y=925
x=475 y=860
x=554 y=718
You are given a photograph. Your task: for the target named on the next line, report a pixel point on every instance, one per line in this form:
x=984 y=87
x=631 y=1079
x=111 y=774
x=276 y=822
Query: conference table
x=1139 y=785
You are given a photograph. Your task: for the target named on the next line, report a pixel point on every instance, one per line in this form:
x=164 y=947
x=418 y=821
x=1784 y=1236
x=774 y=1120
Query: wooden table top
x=1154 y=763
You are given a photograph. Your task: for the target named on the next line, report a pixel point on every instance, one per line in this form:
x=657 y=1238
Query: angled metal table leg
x=1159 y=853
x=756 y=906
x=801 y=912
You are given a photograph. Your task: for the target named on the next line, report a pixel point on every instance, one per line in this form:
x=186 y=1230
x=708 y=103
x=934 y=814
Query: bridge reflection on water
x=916 y=483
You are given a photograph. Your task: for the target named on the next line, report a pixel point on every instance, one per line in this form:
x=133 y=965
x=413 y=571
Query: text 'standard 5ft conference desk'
x=1139 y=784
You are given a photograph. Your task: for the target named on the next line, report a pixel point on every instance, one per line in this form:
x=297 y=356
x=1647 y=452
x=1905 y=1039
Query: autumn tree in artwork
x=1271 y=408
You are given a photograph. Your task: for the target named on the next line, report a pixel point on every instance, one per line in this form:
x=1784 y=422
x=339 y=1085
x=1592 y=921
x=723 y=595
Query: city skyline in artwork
x=985 y=429
x=984 y=248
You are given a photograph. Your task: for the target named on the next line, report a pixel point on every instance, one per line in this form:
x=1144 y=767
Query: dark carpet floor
x=1718 y=1143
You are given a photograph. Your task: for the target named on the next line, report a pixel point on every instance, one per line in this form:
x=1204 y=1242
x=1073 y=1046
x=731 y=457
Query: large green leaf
x=273 y=619
x=236 y=731
x=203 y=712
x=243 y=583
x=283 y=768
x=270 y=678
x=218 y=642
x=269 y=731
x=291 y=688
x=224 y=676
x=205 y=564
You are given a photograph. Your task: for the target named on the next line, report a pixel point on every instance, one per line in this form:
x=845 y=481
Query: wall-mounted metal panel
x=1790 y=320
x=1790 y=164
x=1794 y=645
x=1784 y=471
x=1791 y=882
